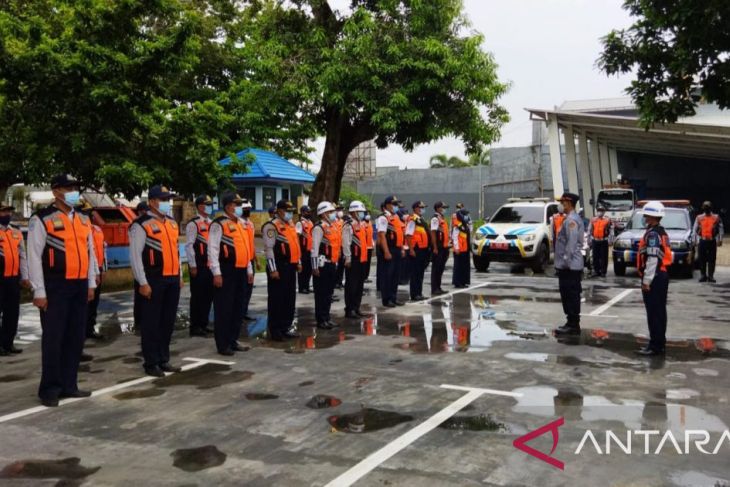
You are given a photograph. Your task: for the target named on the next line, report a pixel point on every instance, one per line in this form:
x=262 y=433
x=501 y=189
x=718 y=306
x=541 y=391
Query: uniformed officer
x=283 y=261
x=230 y=255
x=326 y=249
x=304 y=230
x=354 y=246
x=141 y=210
x=155 y=260
x=201 y=279
x=440 y=245
x=370 y=244
x=250 y=228
x=569 y=264
x=101 y=259
x=404 y=275
x=378 y=254
x=455 y=215
x=600 y=234
x=62 y=270
x=14 y=267
x=460 y=237
x=654 y=259
x=418 y=236
x=340 y=223
x=708 y=231
x=390 y=243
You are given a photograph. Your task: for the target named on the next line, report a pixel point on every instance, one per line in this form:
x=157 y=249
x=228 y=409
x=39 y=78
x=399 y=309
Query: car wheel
x=541 y=259
x=481 y=263
x=619 y=269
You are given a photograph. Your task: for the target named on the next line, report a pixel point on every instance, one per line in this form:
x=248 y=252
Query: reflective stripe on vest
x=663 y=253
x=394 y=234
x=235 y=245
x=359 y=241
x=600 y=228
x=160 y=251
x=67 y=245
x=98 y=235
x=709 y=226
x=369 y=235
x=10 y=242
x=287 y=242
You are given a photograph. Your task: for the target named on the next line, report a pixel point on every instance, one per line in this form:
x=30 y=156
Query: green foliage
x=348 y=194
x=673 y=48
x=480 y=158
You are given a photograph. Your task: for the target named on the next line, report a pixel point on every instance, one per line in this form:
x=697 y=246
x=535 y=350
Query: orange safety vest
x=235 y=247
x=369 y=235
x=305 y=239
x=420 y=236
x=558 y=220
x=287 y=247
x=98 y=234
x=251 y=233
x=67 y=243
x=201 y=240
x=10 y=241
x=394 y=233
x=664 y=253
x=331 y=241
x=443 y=232
x=600 y=227
x=463 y=242
x=160 y=254
x=709 y=226
x=359 y=241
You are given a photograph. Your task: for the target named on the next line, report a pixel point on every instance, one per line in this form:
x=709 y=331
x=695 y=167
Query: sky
x=546 y=50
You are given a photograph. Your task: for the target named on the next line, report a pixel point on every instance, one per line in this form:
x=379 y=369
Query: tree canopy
x=680 y=53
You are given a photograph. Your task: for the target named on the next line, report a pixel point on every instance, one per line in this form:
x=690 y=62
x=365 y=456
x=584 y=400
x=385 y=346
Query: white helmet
x=246 y=205
x=653 y=208
x=357 y=206
x=324 y=207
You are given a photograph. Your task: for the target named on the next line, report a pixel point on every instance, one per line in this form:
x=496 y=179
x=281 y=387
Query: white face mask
x=332 y=217
x=561 y=208
x=340 y=214
x=601 y=213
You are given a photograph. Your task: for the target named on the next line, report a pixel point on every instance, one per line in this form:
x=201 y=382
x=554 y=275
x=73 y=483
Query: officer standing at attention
x=340 y=223
x=418 y=236
x=460 y=236
x=14 y=266
x=229 y=254
x=62 y=269
x=569 y=264
x=251 y=233
x=370 y=244
x=390 y=243
x=653 y=261
x=283 y=261
x=100 y=254
x=304 y=230
x=556 y=223
x=201 y=279
x=354 y=246
x=708 y=231
x=326 y=247
x=600 y=234
x=141 y=210
x=155 y=260
x=440 y=245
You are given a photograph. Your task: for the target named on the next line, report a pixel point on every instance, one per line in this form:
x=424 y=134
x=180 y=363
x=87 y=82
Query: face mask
x=238 y=211
x=209 y=209
x=396 y=208
x=165 y=207
x=332 y=217
x=601 y=213
x=340 y=214
x=288 y=216
x=246 y=213
x=561 y=208
x=72 y=198
x=360 y=215
x=5 y=220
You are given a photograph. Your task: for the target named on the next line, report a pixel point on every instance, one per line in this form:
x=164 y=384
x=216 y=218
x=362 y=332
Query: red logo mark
x=521 y=443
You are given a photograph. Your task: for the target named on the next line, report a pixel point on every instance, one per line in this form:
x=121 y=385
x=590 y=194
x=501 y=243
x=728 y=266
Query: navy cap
x=64 y=181
x=463 y=211
x=284 y=205
x=203 y=199
x=391 y=200
x=439 y=204
x=570 y=196
x=272 y=210
x=418 y=204
x=305 y=209
x=229 y=198
x=159 y=192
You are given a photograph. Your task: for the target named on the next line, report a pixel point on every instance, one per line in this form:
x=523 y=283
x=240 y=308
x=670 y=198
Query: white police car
x=519 y=232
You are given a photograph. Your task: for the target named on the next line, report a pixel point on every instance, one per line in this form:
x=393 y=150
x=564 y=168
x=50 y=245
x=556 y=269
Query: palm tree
x=442 y=160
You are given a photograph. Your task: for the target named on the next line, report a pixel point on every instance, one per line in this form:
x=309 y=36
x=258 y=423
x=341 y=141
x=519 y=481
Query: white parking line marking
x=371 y=462
x=613 y=301
x=456 y=291
x=195 y=363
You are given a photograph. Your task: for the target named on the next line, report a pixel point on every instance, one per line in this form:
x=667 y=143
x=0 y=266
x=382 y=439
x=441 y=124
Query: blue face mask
x=360 y=215
x=238 y=211
x=165 y=207
x=396 y=208
x=288 y=216
x=209 y=209
x=72 y=198
x=332 y=217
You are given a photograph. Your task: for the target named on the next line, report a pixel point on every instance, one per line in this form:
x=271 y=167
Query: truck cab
x=620 y=202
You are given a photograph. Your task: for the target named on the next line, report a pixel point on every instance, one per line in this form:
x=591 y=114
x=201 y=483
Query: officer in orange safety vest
x=418 y=236
x=391 y=240
x=304 y=230
x=654 y=259
x=250 y=228
x=155 y=260
x=708 y=232
x=355 y=250
x=62 y=269
x=600 y=235
x=201 y=279
x=460 y=237
x=440 y=246
x=14 y=267
x=326 y=250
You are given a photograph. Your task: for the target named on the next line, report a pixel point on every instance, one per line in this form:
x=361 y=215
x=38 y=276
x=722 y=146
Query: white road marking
x=371 y=462
x=613 y=301
x=195 y=362
x=455 y=291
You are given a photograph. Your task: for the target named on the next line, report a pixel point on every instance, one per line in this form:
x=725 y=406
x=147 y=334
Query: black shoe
x=208 y=331
x=304 y=291
x=334 y=299
x=85 y=357
x=95 y=335
x=237 y=347
x=352 y=315
x=249 y=318
x=703 y=279
x=648 y=352
x=49 y=402
x=368 y=280
x=399 y=303
x=227 y=352
x=154 y=371
x=76 y=394
x=441 y=291
x=324 y=326
x=567 y=330
x=4 y=353
x=291 y=334
x=437 y=292
x=166 y=367
x=709 y=279
x=418 y=298
x=197 y=332
x=333 y=324
x=389 y=305
x=339 y=286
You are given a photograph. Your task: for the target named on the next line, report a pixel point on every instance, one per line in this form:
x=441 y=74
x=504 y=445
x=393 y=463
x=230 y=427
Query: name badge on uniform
x=57 y=224
x=155 y=228
x=231 y=227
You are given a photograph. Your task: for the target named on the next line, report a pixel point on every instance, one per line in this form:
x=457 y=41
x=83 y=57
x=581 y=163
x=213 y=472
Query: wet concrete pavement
x=306 y=411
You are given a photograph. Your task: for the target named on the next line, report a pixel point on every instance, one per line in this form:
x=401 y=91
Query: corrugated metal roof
x=269 y=166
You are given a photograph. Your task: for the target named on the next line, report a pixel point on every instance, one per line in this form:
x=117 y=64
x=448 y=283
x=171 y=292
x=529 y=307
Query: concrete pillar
x=595 y=168
x=585 y=174
x=555 y=162
x=613 y=160
x=605 y=164
x=570 y=159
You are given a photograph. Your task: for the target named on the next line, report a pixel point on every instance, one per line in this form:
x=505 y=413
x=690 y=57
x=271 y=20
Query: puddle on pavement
x=323 y=401
x=197 y=459
x=306 y=383
x=260 y=396
x=139 y=394
x=367 y=420
x=11 y=378
x=64 y=470
x=481 y=422
x=111 y=330
x=207 y=376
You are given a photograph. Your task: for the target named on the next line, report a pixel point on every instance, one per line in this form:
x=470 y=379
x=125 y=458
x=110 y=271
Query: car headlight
x=622 y=243
x=530 y=237
x=679 y=245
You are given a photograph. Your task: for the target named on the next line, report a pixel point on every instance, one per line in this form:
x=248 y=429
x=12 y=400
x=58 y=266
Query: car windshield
x=674 y=220
x=616 y=200
x=519 y=214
